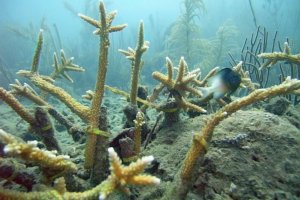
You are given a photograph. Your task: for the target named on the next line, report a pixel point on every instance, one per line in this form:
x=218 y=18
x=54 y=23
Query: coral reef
x=96 y=171
x=246 y=80
x=37 y=53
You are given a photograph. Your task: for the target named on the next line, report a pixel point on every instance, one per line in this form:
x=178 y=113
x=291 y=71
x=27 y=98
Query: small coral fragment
x=138 y=123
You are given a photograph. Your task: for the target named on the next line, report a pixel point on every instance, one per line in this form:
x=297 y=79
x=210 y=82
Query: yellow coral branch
x=181 y=84
x=103 y=28
x=37 y=53
x=246 y=80
x=273 y=58
x=66 y=65
x=76 y=107
x=16 y=106
x=26 y=91
x=135 y=56
x=138 y=123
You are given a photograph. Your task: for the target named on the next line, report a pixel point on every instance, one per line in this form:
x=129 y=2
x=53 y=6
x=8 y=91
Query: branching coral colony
x=96 y=156
x=55 y=167
x=120 y=176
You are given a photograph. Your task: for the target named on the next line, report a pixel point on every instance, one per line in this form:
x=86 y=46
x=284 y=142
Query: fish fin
x=206 y=92
x=218 y=95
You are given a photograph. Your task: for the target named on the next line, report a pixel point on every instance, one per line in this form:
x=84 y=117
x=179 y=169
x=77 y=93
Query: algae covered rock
x=253 y=155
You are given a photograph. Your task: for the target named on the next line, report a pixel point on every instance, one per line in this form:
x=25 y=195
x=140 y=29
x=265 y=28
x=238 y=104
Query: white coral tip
x=147 y=159
x=6 y=149
x=111 y=152
x=156 y=181
x=101 y=197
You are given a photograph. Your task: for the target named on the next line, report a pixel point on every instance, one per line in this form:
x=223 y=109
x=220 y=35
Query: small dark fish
x=226 y=81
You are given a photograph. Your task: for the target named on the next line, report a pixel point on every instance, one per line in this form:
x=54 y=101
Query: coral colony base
x=103 y=153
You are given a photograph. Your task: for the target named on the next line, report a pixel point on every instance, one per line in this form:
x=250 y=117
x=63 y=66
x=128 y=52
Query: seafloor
x=254 y=154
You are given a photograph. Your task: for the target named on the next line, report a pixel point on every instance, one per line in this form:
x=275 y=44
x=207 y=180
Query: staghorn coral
x=60 y=70
x=76 y=107
x=16 y=106
x=199 y=145
x=45 y=83
x=37 y=53
x=120 y=177
x=138 y=123
x=203 y=82
x=273 y=58
x=180 y=86
x=135 y=56
x=246 y=80
x=51 y=165
x=103 y=28
x=28 y=92
x=39 y=123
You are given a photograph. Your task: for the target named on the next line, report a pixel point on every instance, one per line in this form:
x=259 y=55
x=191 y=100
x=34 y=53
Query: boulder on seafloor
x=252 y=155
